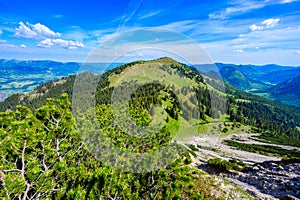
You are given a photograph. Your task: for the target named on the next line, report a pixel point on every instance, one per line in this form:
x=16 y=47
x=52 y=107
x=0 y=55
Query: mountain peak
x=166 y=60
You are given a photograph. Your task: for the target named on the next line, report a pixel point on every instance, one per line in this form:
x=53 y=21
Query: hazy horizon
x=145 y=59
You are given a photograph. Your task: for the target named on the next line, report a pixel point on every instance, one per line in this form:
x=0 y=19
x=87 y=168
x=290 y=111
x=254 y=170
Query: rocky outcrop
x=265 y=178
x=271 y=178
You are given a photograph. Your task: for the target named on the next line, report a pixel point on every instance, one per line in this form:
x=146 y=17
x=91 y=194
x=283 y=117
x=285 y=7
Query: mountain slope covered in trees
x=263 y=80
x=287 y=92
x=241 y=106
x=43 y=147
x=237 y=79
x=43 y=154
x=43 y=157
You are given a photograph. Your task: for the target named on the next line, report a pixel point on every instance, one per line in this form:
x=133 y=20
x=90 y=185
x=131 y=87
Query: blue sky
x=230 y=31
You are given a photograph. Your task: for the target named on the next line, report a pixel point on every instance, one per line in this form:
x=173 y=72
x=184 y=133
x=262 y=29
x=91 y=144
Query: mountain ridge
x=163 y=93
x=54 y=91
x=13 y=79
x=287 y=91
x=239 y=80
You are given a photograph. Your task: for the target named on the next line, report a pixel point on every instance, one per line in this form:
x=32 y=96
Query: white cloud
x=281 y=38
x=58 y=16
x=1 y=31
x=108 y=37
x=134 y=55
x=5 y=44
x=25 y=31
x=288 y=1
x=254 y=27
x=23 y=46
x=35 y=31
x=182 y=26
x=67 y=44
x=268 y=23
x=43 y=30
x=238 y=51
x=274 y=45
x=148 y=15
x=239 y=7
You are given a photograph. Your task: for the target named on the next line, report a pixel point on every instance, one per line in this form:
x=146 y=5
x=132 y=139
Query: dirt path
x=212 y=147
x=246 y=139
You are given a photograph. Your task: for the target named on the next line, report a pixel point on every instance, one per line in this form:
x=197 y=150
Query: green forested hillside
x=122 y=144
x=241 y=106
x=237 y=79
x=43 y=157
x=287 y=91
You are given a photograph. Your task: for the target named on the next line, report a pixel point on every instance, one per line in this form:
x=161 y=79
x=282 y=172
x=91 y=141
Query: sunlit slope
x=180 y=91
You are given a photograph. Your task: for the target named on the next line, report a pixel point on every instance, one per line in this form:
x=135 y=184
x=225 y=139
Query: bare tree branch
x=58 y=149
x=2 y=178
x=11 y=170
x=23 y=159
x=46 y=127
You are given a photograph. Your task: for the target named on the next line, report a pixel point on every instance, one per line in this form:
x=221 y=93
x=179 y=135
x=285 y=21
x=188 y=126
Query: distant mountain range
x=276 y=82
x=253 y=71
x=280 y=76
x=23 y=76
x=287 y=92
x=239 y=80
x=272 y=81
